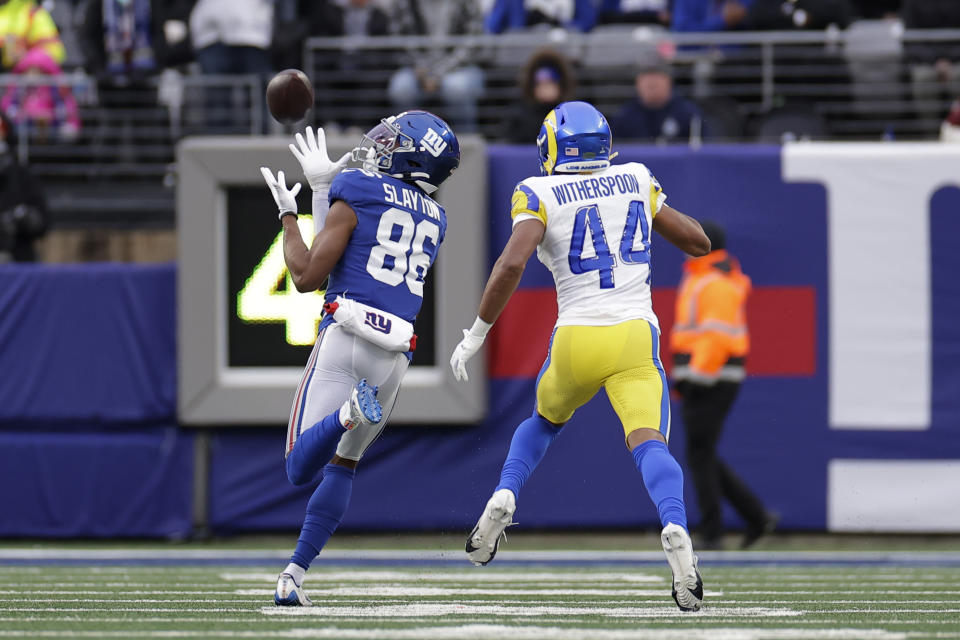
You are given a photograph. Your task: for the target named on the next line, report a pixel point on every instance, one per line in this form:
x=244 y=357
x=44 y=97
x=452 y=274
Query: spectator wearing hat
x=546 y=80
x=656 y=113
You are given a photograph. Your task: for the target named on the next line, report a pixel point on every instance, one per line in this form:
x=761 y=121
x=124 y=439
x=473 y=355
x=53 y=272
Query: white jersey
x=597 y=240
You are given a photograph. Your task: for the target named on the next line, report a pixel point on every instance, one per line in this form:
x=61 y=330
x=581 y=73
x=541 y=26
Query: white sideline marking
x=442 y=609
x=364 y=592
x=244 y=610
x=473 y=575
x=486 y=631
x=389 y=555
x=893 y=592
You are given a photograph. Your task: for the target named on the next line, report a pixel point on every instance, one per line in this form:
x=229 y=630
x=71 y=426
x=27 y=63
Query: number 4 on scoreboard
x=262 y=300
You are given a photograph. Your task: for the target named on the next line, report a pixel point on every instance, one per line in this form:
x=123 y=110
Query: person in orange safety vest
x=710 y=342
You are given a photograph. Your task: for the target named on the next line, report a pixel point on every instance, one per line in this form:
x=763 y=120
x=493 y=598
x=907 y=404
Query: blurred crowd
x=121 y=44
x=125 y=42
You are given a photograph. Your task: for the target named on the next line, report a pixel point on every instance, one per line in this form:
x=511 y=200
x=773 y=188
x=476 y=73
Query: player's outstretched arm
x=509 y=268
x=682 y=231
x=311 y=152
x=309 y=268
x=501 y=284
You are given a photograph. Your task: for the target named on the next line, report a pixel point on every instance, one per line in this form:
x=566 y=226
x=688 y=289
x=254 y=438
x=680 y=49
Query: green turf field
x=116 y=593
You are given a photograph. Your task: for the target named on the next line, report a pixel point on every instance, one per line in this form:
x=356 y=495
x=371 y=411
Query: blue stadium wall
x=89 y=444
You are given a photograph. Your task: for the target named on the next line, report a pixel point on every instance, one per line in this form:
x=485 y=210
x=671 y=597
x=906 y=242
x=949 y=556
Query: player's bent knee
x=557 y=424
x=297 y=474
x=641 y=435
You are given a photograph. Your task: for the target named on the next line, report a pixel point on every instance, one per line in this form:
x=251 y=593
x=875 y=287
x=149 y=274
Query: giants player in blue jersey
x=375 y=243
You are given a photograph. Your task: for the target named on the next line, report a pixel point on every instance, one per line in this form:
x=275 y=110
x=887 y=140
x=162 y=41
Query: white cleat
x=289 y=593
x=483 y=541
x=687 y=583
x=362 y=407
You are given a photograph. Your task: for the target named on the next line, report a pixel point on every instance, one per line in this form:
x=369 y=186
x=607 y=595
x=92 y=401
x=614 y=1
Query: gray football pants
x=338 y=361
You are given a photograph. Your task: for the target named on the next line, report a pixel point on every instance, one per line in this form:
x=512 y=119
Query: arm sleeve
x=320 y=206
x=525 y=204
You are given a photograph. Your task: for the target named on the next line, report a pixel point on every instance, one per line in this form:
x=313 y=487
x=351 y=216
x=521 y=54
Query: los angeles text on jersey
x=592 y=188
x=411 y=199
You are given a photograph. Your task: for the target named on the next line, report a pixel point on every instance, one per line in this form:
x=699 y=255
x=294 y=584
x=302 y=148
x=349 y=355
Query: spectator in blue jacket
x=512 y=15
x=656 y=114
x=710 y=15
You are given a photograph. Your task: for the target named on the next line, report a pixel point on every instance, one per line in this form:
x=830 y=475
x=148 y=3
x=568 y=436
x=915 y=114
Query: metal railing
x=856 y=82
x=121 y=158
x=859 y=83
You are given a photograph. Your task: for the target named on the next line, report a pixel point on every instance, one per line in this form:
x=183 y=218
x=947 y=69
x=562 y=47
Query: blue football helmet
x=415 y=146
x=575 y=137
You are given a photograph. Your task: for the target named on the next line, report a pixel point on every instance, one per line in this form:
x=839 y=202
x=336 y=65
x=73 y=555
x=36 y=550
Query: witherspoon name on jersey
x=597 y=240
x=593 y=188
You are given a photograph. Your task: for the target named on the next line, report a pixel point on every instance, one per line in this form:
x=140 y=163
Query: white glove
x=472 y=341
x=313 y=158
x=286 y=199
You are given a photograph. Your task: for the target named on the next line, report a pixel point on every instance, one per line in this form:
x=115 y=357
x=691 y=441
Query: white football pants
x=338 y=361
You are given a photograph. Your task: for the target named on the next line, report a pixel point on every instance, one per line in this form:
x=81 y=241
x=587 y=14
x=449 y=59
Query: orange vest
x=709 y=339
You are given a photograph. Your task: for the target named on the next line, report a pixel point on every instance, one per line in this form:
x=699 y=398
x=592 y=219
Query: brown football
x=289 y=96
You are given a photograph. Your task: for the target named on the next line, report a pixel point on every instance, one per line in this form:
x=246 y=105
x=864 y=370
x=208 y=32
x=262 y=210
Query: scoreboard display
x=245 y=332
x=269 y=323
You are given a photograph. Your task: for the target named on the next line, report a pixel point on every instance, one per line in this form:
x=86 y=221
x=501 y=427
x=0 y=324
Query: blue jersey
x=399 y=230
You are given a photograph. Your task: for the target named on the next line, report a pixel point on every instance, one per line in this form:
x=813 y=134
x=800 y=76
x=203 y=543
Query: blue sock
x=324 y=512
x=313 y=449
x=663 y=479
x=530 y=442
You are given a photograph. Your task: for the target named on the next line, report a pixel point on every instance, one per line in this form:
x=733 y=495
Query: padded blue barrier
x=131 y=481
x=90 y=342
x=777 y=436
x=87 y=373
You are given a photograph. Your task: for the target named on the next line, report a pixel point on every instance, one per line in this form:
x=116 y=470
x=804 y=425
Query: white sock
x=298 y=572
x=345 y=414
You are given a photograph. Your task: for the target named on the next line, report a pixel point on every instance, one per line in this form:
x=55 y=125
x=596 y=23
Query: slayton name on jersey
x=411 y=199
x=399 y=231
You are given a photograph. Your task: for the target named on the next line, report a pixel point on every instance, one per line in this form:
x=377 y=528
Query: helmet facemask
x=378 y=145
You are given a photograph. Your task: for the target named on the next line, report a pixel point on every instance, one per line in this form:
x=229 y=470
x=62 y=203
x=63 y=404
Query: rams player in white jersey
x=590 y=223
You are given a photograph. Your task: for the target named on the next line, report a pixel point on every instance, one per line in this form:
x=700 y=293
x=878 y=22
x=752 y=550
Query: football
x=289 y=96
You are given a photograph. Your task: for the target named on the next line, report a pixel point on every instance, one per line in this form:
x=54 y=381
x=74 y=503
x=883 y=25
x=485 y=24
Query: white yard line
x=368 y=592
x=471 y=574
x=500 y=632
x=423 y=609
x=66 y=553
